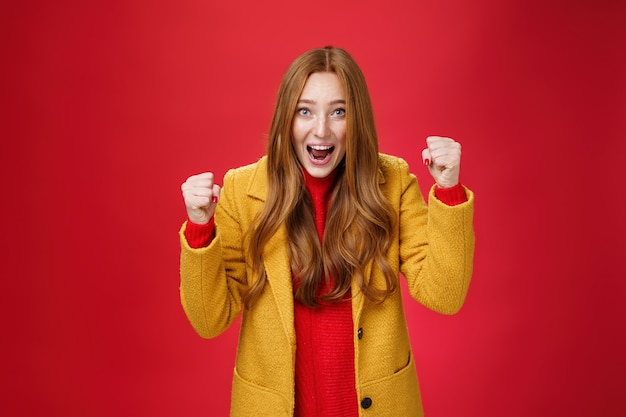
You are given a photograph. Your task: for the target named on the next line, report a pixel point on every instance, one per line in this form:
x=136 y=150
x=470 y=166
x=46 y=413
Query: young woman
x=308 y=243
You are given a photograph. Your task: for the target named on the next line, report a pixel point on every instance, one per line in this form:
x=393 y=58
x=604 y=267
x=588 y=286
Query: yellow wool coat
x=433 y=249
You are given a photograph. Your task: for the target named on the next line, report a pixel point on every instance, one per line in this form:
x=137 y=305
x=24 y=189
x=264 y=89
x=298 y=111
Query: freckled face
x=319 y=126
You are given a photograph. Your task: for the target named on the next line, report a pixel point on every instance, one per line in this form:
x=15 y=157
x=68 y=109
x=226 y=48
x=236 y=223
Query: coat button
x=366 y=402
x=359 y=333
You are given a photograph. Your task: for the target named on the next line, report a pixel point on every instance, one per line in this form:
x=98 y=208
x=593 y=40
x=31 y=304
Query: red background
x=109 y=106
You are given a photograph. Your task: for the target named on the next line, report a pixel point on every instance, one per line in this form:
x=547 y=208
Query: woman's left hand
x=443 y=159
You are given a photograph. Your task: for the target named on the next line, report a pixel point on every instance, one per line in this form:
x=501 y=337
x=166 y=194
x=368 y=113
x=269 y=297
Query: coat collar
x=257 y=186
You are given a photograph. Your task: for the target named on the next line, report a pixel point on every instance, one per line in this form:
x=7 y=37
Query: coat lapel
x=275 y=257
x=358 y=299
x=278 y=270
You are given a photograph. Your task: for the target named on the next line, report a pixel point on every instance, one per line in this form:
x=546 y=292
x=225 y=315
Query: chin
x=319 y=171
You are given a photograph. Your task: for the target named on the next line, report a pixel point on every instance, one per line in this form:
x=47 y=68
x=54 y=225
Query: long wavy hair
x=360 y=220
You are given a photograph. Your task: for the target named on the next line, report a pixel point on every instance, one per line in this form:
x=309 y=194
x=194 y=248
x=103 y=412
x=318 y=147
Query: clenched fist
x=201 y=195
x=443 y=158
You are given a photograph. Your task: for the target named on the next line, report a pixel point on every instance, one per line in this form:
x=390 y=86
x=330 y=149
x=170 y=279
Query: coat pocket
x=253 y=400
x=394 y=395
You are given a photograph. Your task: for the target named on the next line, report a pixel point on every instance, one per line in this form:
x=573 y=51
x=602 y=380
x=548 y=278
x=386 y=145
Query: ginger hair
x=360 y=220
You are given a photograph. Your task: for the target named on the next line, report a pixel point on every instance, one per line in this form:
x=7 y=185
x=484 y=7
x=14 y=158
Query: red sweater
x=325 y=379
x=325 y=376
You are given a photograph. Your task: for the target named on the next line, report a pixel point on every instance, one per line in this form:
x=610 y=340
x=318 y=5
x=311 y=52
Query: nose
x=321 y=127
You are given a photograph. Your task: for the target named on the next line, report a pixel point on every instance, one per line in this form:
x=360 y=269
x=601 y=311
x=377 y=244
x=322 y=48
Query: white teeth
x=320 y=147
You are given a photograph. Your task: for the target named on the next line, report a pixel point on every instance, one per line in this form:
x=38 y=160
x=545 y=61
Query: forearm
x=448 y=267
x=438 y=262
x=209 y=298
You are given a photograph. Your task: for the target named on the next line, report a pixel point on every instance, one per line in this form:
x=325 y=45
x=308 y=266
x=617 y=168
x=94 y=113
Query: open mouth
x=320 y=152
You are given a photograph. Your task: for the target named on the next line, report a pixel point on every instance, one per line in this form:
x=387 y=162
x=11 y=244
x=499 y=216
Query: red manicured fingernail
x=426 y=161
x=214 y=199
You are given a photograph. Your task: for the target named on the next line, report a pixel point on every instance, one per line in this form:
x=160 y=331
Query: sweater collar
x=319 y=186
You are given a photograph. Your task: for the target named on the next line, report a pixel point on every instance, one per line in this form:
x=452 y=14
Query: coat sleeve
x=213 y=278
x=436 y=246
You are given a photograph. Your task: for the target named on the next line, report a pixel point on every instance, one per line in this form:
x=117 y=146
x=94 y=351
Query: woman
x=308 y=244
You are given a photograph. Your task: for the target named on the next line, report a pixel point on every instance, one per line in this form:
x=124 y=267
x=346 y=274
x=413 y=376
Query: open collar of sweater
x=319 y=187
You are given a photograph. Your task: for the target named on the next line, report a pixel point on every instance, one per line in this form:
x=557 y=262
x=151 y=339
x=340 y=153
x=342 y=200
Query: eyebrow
x=333 y=102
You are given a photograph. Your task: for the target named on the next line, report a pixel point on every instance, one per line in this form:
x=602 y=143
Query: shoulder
x=391 y=162
x=248 y=175
x=392 y=167
x=247 y=171
x=249 y=179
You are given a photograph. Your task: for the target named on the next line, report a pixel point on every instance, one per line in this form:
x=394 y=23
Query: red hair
x=360 y=220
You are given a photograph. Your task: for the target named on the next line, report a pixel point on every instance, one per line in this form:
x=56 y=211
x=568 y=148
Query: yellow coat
x=434 y=247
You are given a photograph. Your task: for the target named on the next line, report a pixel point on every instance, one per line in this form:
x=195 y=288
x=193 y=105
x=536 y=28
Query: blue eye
x=339 y=112
x=303 y=112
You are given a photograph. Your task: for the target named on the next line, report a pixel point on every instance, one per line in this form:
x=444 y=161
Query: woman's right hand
x=201 y=195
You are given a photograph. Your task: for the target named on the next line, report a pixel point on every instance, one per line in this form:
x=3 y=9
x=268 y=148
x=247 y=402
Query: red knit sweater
x=325 y=380
x=324 y=374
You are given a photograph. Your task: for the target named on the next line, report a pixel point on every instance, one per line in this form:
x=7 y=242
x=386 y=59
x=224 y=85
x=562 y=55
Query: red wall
x=109 y=106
